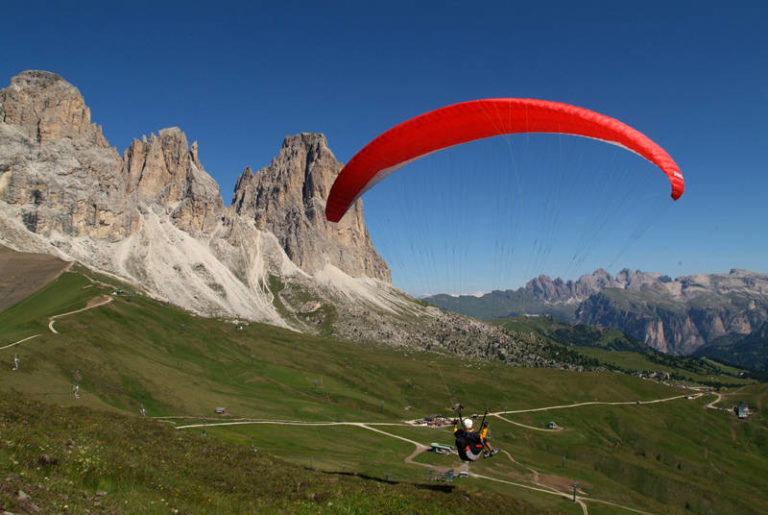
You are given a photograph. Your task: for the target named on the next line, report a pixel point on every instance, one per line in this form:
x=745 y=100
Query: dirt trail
x=533 y=471
x=541 y=486
x=719 y=398
x=20 y=341
x=93 y=303
x=590 y=403
x=576 y=405
x=579 y=500
x=532 y=428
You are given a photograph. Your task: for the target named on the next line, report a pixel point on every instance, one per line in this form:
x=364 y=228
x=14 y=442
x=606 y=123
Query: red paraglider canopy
x=477 y=119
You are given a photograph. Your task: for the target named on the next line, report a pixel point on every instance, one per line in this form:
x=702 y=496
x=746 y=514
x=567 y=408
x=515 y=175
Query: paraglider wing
x=477 y=119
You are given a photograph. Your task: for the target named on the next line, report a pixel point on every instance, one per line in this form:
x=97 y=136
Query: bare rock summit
x=288 y=197
x=46 y=107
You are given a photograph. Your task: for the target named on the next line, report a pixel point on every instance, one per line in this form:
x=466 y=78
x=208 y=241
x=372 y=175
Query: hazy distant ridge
x=675 y=316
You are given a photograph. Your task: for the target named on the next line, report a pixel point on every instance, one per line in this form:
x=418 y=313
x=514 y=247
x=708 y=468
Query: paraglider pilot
x=469 y=443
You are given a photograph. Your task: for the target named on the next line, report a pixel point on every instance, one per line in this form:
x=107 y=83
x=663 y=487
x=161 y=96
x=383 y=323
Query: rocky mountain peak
x=163 y=169
x=558 y=290
x=307 y=140
x=288 y=196
x=47 y=107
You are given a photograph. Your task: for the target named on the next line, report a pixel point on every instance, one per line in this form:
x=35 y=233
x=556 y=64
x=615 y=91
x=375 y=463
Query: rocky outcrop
x=154 y=217
x=65 y=180
x=56 y=169
x=288 y=197
x=544 y=296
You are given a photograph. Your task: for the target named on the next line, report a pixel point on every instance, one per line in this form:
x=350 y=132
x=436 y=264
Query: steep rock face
x=65 y=191
x=56 y=168
x=675 y=316
x=548 y=290
x=166 y=171
x=46 y=107
x=288 y=197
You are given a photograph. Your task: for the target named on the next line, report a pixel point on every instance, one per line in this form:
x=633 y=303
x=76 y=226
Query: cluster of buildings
x=434 y=420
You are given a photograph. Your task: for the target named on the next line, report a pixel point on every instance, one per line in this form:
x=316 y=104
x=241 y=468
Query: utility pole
x=575 y=486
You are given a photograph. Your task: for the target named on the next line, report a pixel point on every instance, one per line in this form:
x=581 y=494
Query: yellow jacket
x=483 y=431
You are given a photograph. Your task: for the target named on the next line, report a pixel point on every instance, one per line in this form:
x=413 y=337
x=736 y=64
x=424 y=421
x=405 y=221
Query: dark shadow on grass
x=422 y=486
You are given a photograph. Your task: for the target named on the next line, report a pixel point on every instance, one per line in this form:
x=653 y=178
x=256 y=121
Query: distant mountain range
x=676 y=316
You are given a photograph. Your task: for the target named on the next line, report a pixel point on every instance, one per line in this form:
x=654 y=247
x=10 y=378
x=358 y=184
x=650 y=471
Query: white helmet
x=467 y=423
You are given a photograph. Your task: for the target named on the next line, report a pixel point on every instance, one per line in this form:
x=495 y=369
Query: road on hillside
x=93 y=303
x=711 y=405
x=420 y=447
x=20 y=341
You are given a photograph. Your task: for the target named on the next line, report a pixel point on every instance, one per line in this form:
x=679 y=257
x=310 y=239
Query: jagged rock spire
x=288 y=198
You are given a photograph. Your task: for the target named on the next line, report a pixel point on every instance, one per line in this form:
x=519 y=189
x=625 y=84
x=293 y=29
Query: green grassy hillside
x=613 y=349
x=673 y=457
x=573 y=335
x=498 y=304
x=750 y=351
x=78 y=459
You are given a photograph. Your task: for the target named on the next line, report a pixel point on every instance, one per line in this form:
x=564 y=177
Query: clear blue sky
x=238 y=77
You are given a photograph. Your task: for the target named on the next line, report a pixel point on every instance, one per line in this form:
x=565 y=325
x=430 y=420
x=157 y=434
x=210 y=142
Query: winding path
x=105 y=299
x=90 y=305
x=711 y=405
x=420 y=447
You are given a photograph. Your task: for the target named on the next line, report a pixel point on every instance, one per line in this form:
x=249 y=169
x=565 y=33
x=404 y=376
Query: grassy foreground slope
x=78 y=459
x=671 y=457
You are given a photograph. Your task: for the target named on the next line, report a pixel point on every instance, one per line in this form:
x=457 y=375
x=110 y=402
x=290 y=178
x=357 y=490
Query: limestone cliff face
x=557 y=290
x=288 y=198
x=55 y=166
x=164 y=170
x=64 y=178
x=674 y=316
x=46 y=107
